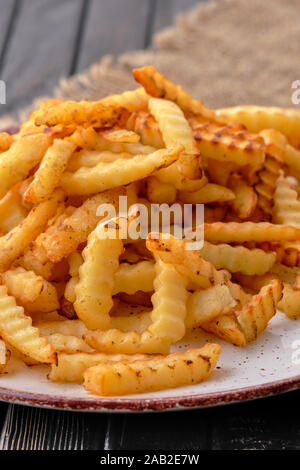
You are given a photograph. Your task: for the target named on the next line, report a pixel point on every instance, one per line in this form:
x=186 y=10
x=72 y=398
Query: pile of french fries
x=105 y=311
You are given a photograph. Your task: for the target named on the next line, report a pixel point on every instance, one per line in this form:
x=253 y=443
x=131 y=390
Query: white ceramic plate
x=268 y=366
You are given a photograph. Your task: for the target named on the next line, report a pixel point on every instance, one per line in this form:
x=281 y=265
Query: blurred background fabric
x=224 y=52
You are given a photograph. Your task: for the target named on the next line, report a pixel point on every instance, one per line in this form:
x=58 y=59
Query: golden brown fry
x=6 y=141
x=83 y=113
x=21 y=157
x=122 y=171
x=47 y=177
x=177 y=369
x=245 y=200
x=23 y=285
x=4 y=356
x=227 y=328
x=70 y=367
x=254 y=316
x=257 y=118
x=220 y=232
x=158 y=86
x=14 y=242
x=16 y=328
x=76 y=228
x=206 y=195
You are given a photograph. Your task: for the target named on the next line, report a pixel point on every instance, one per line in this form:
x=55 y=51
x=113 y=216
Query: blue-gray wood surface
x=40 y=41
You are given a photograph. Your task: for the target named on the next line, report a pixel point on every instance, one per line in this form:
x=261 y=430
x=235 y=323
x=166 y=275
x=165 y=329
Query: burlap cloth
x=225 y=52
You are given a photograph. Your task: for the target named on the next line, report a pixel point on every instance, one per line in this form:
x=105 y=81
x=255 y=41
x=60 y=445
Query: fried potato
x=61 y=326
x=266 y=187
x=122 y=171
x=220 y=232
x=83 y=113
x=90 y=158
x=76 y=228
x=160 y=193
x=131 y=100
x=120 y=135
x=16 y=328
x=286 y=204
x=225 y=145
x=23 y=285
x=204 y=305
x=12 y=211
x=68 y=344
x=145 y=125
x=245 y=200
x=227 y=328
x=47 y=177
x=22 y=156
x=177 y=369
x=290 y=302
x=130 y=278
x=188 y=262
x=257 y=118
x=47 y=301
x=238 y=258
x=96 y=280
x=70 y=367
x=173 y=125
x=14 y=242
x=207 y=194
x=158 y=86
x=254 y=316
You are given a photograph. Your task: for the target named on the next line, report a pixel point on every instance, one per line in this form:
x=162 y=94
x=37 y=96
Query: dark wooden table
x=40 y=41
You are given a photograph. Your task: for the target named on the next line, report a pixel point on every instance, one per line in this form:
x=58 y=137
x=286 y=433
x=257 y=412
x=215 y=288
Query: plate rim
x=180 y=402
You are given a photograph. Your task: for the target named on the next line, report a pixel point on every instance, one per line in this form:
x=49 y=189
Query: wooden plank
x=113 y=27
x=40 y=50
x=267 y=424
x=166 y=11
x=27 y=428
x=167 y=431
x=8 y=11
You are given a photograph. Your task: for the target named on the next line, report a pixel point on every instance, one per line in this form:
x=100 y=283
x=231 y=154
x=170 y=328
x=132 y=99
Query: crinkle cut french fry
x=158 y=86
x=16 y=328
x=68 y=344
x=83 y=113
x=144 y=124
x=132 y=342
x=48 y=175
x=4 y=356
x=173 y=125
x=238 y=258
x=220 y=232
x=224 y=145
x=254 y=316
x=286 y=204
x=190 y=263
x=160 y=193
x=96 y=280
x=76 y=228
x=14 y=242
x=90 y=158
x=23 y=285
x=131 y=278
x=47 y=301
x=131 y=100
x=175 y=370
x=268 y=177
x=245 y=200
x=207 y=194
x=290 y=302
x=205 y=304
x=257 y=118
x=105 y=176
x=12 y=211
x=227 y=328
x=168 y=315
x=64 y=327
x=21 y=157
x=70 y=367
x=120 y=135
